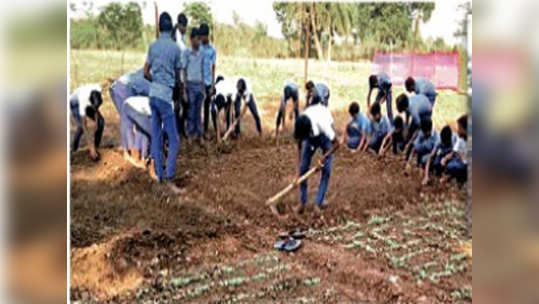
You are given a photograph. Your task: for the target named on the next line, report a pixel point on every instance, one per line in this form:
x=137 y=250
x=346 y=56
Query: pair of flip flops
x=289 y=241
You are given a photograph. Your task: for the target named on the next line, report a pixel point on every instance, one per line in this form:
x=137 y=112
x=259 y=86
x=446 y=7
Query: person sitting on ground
x=84 y=104
x=312 y=130
x=421 y=86
x=416 y=109
x=128 y=85
x=245 y=94
x=162 y=67
x=319 y=89
x=382 y=82
x=457 y=162
x=425 y=142
x=444 y=147
x=291 y=91
x=222 y=102
x=395 y=138
x=380 y=127
x=357 y=129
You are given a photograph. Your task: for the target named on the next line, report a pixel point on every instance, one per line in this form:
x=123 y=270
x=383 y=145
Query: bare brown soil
x=383 y=239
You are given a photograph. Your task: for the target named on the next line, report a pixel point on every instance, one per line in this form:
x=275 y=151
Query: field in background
x=347 y=80
x=384 y=238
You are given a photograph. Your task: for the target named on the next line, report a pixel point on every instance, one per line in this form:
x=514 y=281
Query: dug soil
x=383 y=238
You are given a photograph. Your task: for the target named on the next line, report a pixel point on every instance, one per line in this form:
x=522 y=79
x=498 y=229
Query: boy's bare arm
x=386 y=141
x=147 y=73
x=369 y=98
x=427 y=168
x=218 y=126
x=90 y=136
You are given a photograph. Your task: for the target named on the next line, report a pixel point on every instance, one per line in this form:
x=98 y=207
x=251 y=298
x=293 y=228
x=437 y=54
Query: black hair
x=426 y=125
x=219 y=78
x=194 y=33
x=220 y=99
x=165 y=22
x=463 y=122
x=446 y=135
x=96 y=99
x=402 y=103
x=204 y=29
x=182 y=19
x=353 y=109
x=409 y=84
x=309 y=85
x=375 y=109
x=373 y=81
x=288 y=93
x=398 y=123
x=316 y=99
x=302 y=128
x=241 y=85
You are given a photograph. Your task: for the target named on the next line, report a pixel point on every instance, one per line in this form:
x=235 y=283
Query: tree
x=198 y=13
x=385 y=23
x=121 y=25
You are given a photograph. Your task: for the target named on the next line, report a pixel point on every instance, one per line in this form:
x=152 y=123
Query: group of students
x=172 y=96
x=411 y=134
x=166 y=99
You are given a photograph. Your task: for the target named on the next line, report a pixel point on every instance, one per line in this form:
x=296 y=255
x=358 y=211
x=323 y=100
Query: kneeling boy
x=423 y=145
x=380 y=127
x=357 y=129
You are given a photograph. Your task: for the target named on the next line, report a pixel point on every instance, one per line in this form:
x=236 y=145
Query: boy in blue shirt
x=421 y=86
x=357 y=129
x=456 y=161
x=162 y=68
x=444 y=147
x=320 y=90
x=194 y=89
x=395 y=138
x=210 y=57
x=382 y=82
x=427 y=139
x=290 y=91
x=380 y=127
x=416 y=109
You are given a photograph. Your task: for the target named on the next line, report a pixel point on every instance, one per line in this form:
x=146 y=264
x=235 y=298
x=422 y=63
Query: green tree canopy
x=122 y=24
x=198 y=13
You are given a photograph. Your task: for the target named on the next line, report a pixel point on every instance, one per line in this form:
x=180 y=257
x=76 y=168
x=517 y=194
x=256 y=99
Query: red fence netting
x=442 y=68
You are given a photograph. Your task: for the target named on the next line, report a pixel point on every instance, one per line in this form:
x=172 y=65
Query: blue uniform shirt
x=164 y=59
x=383 y=80
x=137 y=82
x=419 y=108
x=210 y=57
x=381 y=128
x=322 y=90
x=425 y=87
x=192 y=62
x=358 y=126
x=424 y=144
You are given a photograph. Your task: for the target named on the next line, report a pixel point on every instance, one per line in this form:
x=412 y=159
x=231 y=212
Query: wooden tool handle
x=233 y=125
x=272 y=200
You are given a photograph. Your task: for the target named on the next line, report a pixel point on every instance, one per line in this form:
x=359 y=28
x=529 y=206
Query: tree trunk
x=330 y=39
x=307 y=44
x=319 y=51
x=298 y=54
